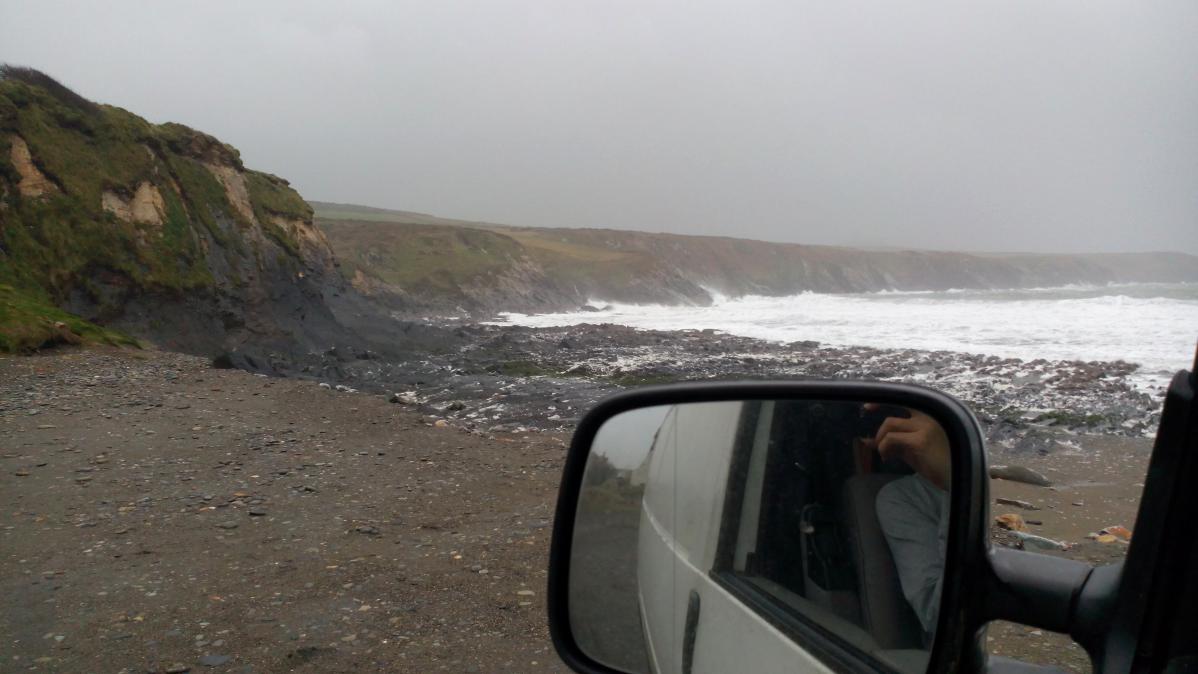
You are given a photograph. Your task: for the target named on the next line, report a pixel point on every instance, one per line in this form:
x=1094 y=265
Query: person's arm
x=913 y=514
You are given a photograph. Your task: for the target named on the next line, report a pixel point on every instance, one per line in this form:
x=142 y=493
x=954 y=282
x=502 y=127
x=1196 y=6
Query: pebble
x=214 y=660
x=1117 y=531
x=1015 y=502
x=1039 y=542
x=1011 y=522
x=320 y=460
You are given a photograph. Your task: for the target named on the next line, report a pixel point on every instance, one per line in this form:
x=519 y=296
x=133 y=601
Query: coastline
x=496 y=379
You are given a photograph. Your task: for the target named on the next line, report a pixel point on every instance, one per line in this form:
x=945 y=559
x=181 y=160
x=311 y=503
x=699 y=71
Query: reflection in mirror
x=711 y=537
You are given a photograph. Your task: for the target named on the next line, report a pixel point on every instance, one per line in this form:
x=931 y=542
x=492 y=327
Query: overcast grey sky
x=1009 y=125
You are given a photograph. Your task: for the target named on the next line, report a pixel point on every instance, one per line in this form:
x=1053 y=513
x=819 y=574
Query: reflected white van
x=757 y=526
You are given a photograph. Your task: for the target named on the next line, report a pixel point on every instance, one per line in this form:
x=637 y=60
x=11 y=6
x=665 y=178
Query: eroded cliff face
x=31 y=182
x=159 y=229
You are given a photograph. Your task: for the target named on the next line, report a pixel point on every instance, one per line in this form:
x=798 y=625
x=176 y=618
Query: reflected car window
x=820 y=528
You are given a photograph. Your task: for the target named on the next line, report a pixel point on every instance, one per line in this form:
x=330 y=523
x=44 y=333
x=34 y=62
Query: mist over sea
x=1152 y=324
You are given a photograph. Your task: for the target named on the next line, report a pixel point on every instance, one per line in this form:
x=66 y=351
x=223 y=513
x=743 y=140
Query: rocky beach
x=161 y=516
x=495 y=379
x=165 y=513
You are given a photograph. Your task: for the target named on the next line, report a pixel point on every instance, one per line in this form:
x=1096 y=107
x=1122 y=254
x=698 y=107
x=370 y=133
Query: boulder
x=1019 y=474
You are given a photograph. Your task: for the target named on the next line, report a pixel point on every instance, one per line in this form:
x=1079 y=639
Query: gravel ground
x=1095 y=486
x=160 y=515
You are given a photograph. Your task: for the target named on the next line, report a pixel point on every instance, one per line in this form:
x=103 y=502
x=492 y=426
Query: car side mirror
x=770 y=526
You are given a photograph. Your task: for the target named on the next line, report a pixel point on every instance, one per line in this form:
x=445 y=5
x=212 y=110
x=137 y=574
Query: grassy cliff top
x=28 y=324
x=98 y=205
x=55 y=242
x=426 y=254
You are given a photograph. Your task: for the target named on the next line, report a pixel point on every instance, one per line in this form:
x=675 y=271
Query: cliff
x=110 y=224
x=419 y=262
x=156 y=229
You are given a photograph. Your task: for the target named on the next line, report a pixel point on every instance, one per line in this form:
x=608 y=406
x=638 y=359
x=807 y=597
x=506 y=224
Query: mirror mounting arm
x=1034 y=589
x=1095 y=607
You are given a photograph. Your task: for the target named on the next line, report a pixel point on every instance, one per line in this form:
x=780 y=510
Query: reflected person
x=913 y=510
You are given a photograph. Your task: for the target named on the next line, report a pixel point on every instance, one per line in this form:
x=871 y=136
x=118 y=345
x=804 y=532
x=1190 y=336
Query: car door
x=687 y=614
x=1152 y=623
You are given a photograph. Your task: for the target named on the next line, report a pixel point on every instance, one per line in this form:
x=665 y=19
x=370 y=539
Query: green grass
x=28 y=324
x=421 y=258
x=271 y=197
x=440 y=257
x=447 y=262
x=369 y=216
x=64 y=242
x=525 y=368
x=59 y=242
x=274 y=195
x=331 y=211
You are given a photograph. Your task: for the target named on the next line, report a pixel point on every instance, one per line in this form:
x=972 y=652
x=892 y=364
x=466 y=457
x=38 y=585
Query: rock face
x=156 y=229
x=146 y=206
x=32 y=182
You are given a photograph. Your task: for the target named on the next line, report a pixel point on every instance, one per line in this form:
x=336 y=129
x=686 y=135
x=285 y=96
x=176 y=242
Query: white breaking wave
x=1154 y=325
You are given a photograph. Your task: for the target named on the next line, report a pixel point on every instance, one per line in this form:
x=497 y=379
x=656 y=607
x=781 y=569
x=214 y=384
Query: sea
x=1154 y=325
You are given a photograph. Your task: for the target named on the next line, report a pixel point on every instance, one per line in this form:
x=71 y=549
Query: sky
x=1027 y=125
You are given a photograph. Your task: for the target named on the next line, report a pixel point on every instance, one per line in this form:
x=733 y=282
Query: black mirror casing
x=966 y=552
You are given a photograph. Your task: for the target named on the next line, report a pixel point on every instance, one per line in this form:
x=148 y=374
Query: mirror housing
x=966 y=548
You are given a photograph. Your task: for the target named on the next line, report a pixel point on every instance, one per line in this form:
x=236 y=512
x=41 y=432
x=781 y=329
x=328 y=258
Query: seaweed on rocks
x=500 y=378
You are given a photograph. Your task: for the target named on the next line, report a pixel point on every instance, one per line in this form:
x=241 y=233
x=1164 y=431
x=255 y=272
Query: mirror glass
x=710 y=537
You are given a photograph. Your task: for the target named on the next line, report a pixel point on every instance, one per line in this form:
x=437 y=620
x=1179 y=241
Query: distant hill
x=333 y=211
x=155 y=228
x=416 y=261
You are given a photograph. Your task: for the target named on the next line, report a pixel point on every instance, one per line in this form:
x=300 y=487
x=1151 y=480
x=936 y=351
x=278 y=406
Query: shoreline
x=1070 y=323
x=497 y=379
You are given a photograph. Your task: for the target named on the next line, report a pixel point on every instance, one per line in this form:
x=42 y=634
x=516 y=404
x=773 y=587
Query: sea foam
x=1153 y=325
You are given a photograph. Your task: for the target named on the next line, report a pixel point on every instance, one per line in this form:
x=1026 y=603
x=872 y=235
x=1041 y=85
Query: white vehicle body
x=680 y=526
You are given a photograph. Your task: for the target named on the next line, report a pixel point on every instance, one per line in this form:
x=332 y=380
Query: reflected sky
x=1040 y=126
x=625 y=439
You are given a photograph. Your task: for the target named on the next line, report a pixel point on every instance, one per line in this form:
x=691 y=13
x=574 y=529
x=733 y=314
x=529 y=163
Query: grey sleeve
x=914 y=517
